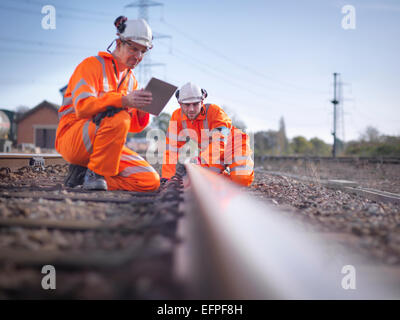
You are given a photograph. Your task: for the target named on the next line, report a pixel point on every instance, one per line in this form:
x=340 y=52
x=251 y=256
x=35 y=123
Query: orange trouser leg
x=108 y=143
x=237 y=156
x=238 y=159
x=244 y=178
x=71 y=146
x=135 y=174
x=217 y=168
x=212 y=156
x=241 y=170
x=97 y=148
x=102 y=150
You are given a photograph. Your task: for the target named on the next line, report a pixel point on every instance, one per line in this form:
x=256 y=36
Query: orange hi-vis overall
x=95 y=85
x=221 y=145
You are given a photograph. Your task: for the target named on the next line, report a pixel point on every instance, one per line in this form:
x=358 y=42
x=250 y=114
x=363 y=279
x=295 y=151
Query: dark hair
x=120 y=23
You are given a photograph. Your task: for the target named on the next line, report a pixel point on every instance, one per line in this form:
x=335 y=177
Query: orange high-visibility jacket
x=211 y=117
x=96 y=84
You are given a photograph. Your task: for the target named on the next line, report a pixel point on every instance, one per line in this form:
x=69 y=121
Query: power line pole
x=144 y=68
x=335 y=103
x=341 y=116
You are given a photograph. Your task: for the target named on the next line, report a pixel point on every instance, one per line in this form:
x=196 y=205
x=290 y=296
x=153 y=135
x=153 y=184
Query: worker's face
x=191 y=110
x=132 y=53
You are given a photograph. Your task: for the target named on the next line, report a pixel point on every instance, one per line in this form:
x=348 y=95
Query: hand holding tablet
x=161 y=92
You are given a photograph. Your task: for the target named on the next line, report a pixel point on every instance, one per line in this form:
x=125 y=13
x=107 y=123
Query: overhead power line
x=200 y=65
x=144 y=68
x=63 y=7
x=256 y=95
x=221 y=74
x=59 y=15
x=142 y=5
x=229 y=76
x=238 y=64
x=45 y=44
x=5 y=50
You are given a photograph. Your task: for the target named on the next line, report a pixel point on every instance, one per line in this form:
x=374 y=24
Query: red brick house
x=38 y=126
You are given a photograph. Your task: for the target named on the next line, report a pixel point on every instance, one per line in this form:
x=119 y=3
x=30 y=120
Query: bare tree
x=371 y=134
x=236 y=121
x=21 y=109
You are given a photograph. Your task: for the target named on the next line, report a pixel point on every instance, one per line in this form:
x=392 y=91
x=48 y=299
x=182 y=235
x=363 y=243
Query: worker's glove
x=180 y=170
x=110 y=112
x=194 y=160
x=163 y=181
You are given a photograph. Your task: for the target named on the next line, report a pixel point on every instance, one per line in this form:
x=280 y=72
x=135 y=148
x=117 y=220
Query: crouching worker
x=98 y=111
x=223 y=148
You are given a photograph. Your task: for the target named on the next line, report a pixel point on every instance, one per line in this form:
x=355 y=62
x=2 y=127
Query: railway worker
x=223 y=148
x=98 y=111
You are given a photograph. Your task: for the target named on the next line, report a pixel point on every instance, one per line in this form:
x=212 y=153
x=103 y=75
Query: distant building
x=38 y=126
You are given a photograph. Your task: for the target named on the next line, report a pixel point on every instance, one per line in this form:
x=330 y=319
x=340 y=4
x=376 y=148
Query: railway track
x=371 y=173
x=197 y=237
x=347 y=186
x=108 y=245
x=245 y=249
x=380 y=160
x=14 y=161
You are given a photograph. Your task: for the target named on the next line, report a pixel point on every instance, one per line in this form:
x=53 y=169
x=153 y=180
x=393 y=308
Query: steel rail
x=238 y=248
x=346 y=186
x=16 y=161
x=355 y=159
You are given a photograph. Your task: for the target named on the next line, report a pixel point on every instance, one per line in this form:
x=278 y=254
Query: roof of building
x=44 y=104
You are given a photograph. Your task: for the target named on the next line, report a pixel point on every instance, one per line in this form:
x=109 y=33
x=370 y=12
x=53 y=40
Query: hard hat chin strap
x=108 y=48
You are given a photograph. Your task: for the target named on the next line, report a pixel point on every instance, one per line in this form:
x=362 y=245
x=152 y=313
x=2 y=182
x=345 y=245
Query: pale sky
x=261 y=59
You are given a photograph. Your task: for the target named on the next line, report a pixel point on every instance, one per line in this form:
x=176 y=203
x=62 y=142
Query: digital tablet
x=162 y=92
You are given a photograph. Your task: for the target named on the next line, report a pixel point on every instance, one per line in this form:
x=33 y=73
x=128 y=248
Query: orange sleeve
x=217 y=118
x=85 y=85
x=172 y=145
x=137 y=124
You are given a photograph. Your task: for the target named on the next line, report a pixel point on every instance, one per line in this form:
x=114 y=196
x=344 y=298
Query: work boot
x=75 y=177
x=94 y=181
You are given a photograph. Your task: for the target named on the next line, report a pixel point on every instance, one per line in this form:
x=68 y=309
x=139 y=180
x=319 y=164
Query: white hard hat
x=137 y=31
x=190 y=93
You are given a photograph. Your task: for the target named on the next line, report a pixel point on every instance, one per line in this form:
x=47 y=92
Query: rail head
x=248 y=250
x=16 y=161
